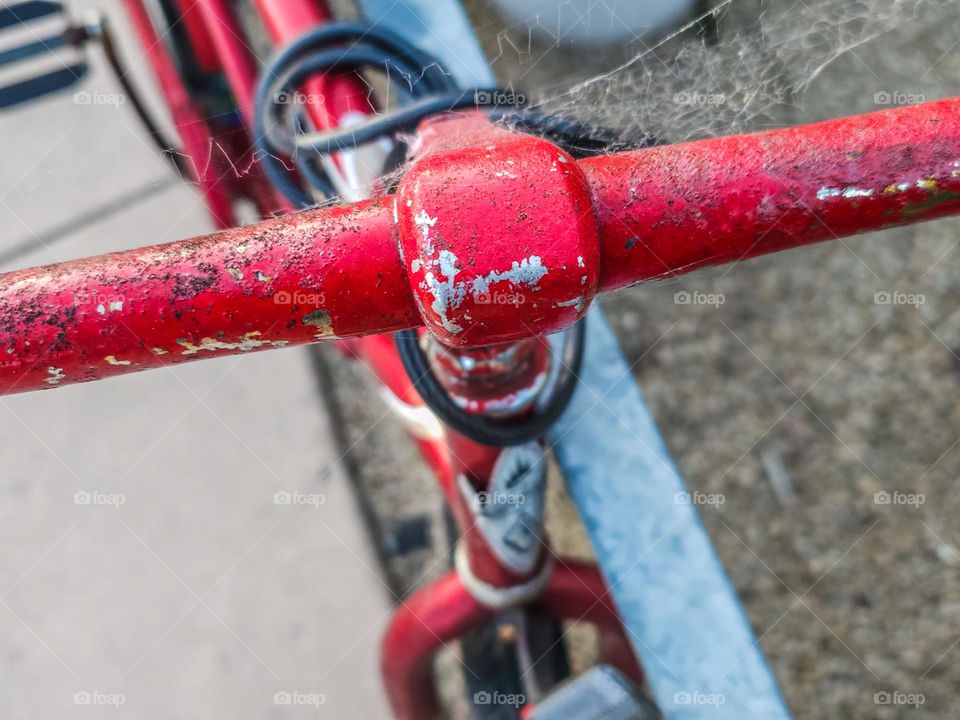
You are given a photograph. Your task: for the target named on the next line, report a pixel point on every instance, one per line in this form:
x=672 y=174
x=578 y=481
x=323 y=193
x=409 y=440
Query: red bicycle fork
x=445 y=610
x=496 y=497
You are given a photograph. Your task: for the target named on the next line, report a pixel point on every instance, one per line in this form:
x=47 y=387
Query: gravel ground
x=800 y=379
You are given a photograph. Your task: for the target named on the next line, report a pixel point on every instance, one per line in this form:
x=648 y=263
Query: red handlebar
x=481 y=210
x=669 y=210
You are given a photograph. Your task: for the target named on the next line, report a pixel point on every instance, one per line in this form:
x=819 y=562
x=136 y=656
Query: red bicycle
x=474 y=228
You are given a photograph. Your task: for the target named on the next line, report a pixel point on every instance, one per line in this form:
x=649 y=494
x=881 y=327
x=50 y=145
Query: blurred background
x=144 y=554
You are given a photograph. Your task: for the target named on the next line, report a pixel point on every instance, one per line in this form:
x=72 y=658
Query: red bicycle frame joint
x=646 y=214
x=489 y=219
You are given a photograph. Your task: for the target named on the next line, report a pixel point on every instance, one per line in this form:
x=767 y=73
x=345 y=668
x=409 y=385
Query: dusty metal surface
x=669 y=210
x=284 y=282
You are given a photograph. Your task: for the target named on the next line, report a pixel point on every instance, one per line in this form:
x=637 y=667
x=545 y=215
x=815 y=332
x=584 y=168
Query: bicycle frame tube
x=186 y=116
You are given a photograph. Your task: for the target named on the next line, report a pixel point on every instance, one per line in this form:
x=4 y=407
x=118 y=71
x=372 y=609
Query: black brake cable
x=102 y=32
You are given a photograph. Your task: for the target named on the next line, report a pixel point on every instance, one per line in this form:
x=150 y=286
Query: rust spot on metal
x=935 y=199
x=319 y=319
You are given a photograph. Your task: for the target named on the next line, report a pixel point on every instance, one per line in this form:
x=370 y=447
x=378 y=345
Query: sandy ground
x=798 y=380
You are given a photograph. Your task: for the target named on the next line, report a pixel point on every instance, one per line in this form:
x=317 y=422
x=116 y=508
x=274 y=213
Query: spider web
x=740 y=67
x=743 y=66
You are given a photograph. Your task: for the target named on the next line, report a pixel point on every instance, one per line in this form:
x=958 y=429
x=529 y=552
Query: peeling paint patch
x=235 y=273
x=116 y=306
x=927 y=184
x=112 y=360
x=528 y=271
x=320 y=319
x=448 y=264
x=425 y=222
x=263 y=278
x=576 y=303
x=248 y=342
x=159 y=351
x=847 y=192
x=447 y=293
x=441 y=270
x=55 y=373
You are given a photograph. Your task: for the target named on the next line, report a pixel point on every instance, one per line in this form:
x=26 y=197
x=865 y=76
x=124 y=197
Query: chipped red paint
x=497 y=233
x=659 y=212
x=669 y=210
x=283 y=282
